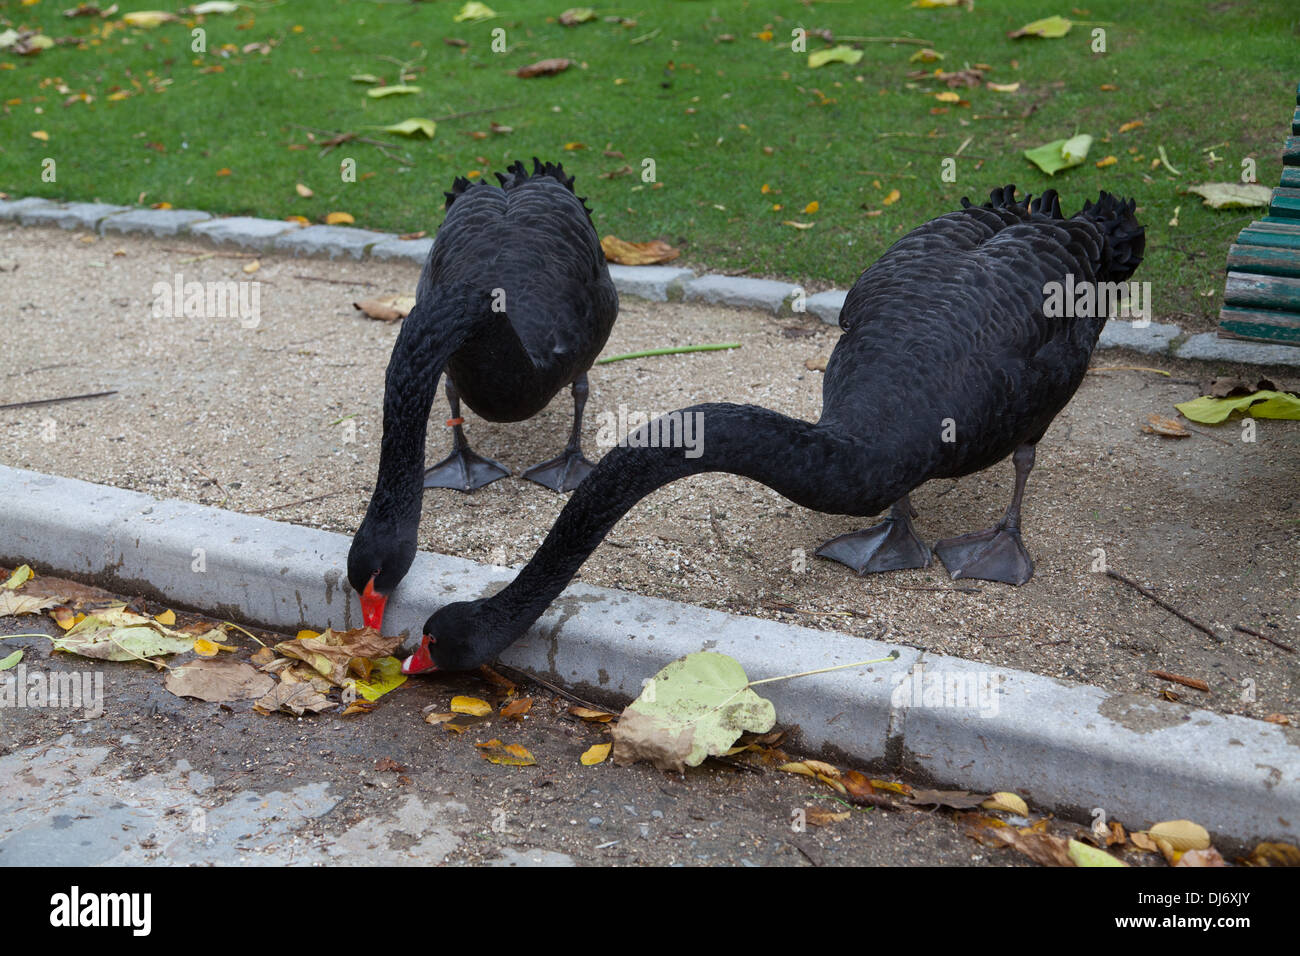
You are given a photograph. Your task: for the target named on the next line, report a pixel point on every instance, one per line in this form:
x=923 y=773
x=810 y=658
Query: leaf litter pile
x=700 y=707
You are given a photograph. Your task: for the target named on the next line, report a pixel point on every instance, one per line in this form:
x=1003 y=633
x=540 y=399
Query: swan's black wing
x=531 y=238
x=948 y=350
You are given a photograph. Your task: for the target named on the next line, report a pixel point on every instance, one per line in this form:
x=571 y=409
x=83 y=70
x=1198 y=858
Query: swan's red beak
x=372 y=606
x=421 y=660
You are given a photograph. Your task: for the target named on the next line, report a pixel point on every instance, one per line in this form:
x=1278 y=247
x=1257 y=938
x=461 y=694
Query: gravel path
x=249 y=419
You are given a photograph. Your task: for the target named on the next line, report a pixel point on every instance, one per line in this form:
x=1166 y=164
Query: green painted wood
x=1257 y=326
x=1274 y=221
x=1285 y=203
x=1291 y=151
x=1262 y=292
x=1263 y=260
x=1291 y=176
x=1295 y=122
x=1272 y=240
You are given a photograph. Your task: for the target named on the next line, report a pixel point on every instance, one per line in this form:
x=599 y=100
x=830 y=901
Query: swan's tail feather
x=1124 y=236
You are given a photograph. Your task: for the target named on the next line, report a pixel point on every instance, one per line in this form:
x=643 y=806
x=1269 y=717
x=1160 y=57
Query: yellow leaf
x=166 y=618
x=517 y=708
x=205 y=648
x=765 y=36
x=510 y=755
x=305 y=635
x=409 y=127
x=338 y=219
x=119 y=95
x=1132 y=124
x=1003 y=87
x=1181 y=834
x=470 y=705
x=22 y=574
x=1108 y=161
x=303 y=191
x=637 y=253
x=587 y=713
x=474 y=11
x=1008 y=802
x=812 y=207
x=40 y=134
x=947 y=96
x=252 y=267
x=148 y=18
x=893 y=197
x=596 y=754
x=571 y=147
x=223 y=171
x=302 y=219
x=766 y=189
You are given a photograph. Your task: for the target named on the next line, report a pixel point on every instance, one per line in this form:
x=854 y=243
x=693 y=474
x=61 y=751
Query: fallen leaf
x=148 y=18
x=947 y=96
x=587 y=713
x=544 y=67
x=11 y=661
x=217 y=680
x=338 y=219
x=1107 y=161
x=379 y=92
x=812 y=207
x=115 y=634
x=473 y=706
x=251 y=267
x=821 y=818
x=1043 y=848
x=294 y=698
x=1170 y=427
x=510 y=755
x=474 y=11
x=516 y=708
x=1060 y=154
x=20 y=576
x=1007 y=802
x=637 y=253
x=925 y=55
x=1143 y=842
x=1274 y=854
x=331 y=653
x=576 y=15
x=797 y=225
x=1132 y=124
x=388 y=309
x=1265 y=404
x=385 y=675
x=1003 y=87
x=893 y=196
x=1233 y=195
x=1181 y=834
x=954 y=799
x=40 y=134
x=303 y=191
x=1210 y=857
x=694 y=707
x=816 y=364
x=1084 y=855
x=409 y=127
x=1051 y=28
x=595 y=754
x=838 y=54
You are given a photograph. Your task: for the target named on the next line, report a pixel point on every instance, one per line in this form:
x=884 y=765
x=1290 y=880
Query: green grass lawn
x=711 y=91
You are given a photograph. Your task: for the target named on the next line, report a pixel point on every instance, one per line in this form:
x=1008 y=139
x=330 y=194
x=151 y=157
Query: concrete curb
x=1067 y=747
x=655 y=283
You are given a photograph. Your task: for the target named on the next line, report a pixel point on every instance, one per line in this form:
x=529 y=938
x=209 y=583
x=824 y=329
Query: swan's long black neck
x=812 y=465
x=437 y=326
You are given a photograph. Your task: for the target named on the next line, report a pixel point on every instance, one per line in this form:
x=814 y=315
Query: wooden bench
x=1261 y=299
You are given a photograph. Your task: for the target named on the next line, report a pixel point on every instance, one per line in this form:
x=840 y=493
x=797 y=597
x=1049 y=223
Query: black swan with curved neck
x=948 y=363
x=515 y=302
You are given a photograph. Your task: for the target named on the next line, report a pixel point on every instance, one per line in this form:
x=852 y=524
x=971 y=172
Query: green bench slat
x=1261 y=260
x=1285 y=203
x=1262 y=292
x=1273 y=222
x=1261 y=325
x=1273 y=240
x=1291 y=176
x=1295 y=122
x=1291 y=151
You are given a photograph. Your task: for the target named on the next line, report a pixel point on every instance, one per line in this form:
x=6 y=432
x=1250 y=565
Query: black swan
x=515 y=302
x=947 y=364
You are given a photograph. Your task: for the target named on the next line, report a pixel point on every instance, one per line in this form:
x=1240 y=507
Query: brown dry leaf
x=338 y=219
x=892 y=786
x=637 y=253
x=359 y=706
x=1281 y=719
x=544 y=67
x=1159 y=425
x=498 y=680
x=331 y=652
x=1274 y=854
x=302 y=220
x=954 y=799
x=473 y=706
x=517 y=708
x=414 y=235
x=587 y=713
x=263 y=656
x=510 y=755
x=13 y=603
x=215 y=681
x=1143 y=842
x=435 y=718
x=1210 y=857
x=808 y=768
x=816 y=364
x=1133 y=124
x=1116 y=836
x=294 y=698
x=388 y=309
x=388 y=765
x=596 y=754
x=821 y=818
x=1043 y=848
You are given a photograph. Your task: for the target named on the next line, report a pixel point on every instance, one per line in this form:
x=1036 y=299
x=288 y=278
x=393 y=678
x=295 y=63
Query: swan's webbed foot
x=463 y=470
x=993 y=555
x=562 y=473
x=891 y=545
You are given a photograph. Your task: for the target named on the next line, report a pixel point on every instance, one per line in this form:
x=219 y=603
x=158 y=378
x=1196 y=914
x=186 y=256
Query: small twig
x=893 y=656
x=554 y=688
x=1264 y=637
x=245 y=630
x=913 y=40
x=1164 y=604
x=1195 y=683
x=669 y=351
x=53 y=401
x=1127 y=368
x=304 y=501
x=334 y=281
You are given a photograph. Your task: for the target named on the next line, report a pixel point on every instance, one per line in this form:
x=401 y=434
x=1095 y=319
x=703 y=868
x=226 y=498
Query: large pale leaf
x=1051 y=28
x=217 y=680
x=695 y=707
x=329 y=654
x=379 y=92
x=1060 y=154
x=838 y=54
x=1265 y=404
x=1233 y=195
x=409 y=127
x=116 y=634
x=637 y=253
x=22 y=574
x=13 y=603
x=474 y=11
x=386 y=675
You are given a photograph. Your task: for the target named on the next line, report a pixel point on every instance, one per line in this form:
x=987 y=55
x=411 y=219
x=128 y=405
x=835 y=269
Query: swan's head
x=458 y=637
x=377 y=562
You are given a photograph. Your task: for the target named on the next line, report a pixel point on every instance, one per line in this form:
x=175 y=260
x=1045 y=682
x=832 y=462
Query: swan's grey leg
x=997 y=554
x=566 y=471
x=889 y=546
x=462 y=470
